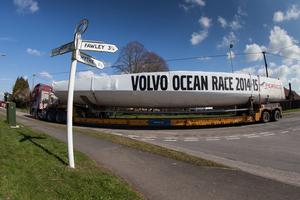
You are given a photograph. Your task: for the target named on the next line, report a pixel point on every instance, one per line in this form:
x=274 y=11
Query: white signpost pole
x=70 y=101
x=75 y=48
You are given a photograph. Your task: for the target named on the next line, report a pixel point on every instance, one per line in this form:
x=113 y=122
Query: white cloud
x=253 y=52
x=33 y=52
x=231 y=55
x=197 y=38
x=287 y=74
x=203 y=58
x=284 y=44
x=89 y=74
x=46 y=75
x=196 y=2
x=292 y=13
x=278 y=16
x=188 y=4
x=227 y=40
x=26 y=6
x=205 y=22
x=280 y=43
x=241 y=12
x=7 y=39
x=236 y=23
x=222 y=22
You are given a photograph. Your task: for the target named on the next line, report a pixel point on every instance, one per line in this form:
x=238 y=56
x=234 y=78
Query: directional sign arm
x=63 y=49
x=98 y=46
x=89 y=60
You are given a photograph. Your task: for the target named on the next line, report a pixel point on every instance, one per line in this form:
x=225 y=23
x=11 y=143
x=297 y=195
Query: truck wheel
x=276 y=115
x=265 y=117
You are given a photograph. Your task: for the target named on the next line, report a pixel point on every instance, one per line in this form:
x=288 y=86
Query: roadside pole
x=75 y=46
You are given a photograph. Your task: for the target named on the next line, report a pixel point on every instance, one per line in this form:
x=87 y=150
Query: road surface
x=271 y=150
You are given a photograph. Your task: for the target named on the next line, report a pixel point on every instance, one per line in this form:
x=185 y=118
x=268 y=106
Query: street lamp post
x=230 y=47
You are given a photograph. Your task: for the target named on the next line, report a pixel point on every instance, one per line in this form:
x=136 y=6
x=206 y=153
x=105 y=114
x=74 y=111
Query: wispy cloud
x=205 y=22
x=7 y=39
x=188 y=4
x=46 y=75
x=236 y=23
x=292 y=13
x=197 y=38
x=227 y=40
x=26 y=6
x=34 y=52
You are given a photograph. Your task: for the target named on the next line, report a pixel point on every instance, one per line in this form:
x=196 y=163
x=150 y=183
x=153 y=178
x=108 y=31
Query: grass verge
x=151 y=148
x=291 y=110
x=34 y=166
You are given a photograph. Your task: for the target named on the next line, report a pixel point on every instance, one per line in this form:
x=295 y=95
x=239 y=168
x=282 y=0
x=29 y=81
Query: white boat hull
x=172 y=89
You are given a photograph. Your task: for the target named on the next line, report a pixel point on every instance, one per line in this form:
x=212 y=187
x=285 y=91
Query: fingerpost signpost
x=76 y=47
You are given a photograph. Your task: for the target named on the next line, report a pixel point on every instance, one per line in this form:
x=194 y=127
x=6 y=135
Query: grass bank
x=291 y=110
x=34 y=166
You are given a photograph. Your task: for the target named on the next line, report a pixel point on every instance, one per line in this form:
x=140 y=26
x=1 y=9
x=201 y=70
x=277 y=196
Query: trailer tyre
x=276 y=115
x=265 y=117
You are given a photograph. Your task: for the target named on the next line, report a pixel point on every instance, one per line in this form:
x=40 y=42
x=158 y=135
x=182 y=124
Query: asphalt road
x=157 y=177
x=271 y=150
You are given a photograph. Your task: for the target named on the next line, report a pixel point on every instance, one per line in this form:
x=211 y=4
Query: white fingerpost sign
x=89 y=60
x=75 y=46
x=98 y=46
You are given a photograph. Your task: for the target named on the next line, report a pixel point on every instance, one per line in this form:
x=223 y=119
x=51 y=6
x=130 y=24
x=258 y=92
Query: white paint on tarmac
x=119 y=134
x=253 y=136
x=267 y=134
x=170 y=139
x=232 y=138
x=212 y=139
x=133 y=136
x=283 y=132
x=191 y=139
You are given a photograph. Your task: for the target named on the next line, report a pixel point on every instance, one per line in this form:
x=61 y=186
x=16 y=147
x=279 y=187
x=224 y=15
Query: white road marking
x=284 y=132
x=263 y=133
x=213 y=139
x=296 y=129
x=232 y=138
x=119 y=134
x=170 y=139
x=191 y=139
x=133 y=136
x=148 y=139
x=268 y=134
x=253 y=136
x=250 y=135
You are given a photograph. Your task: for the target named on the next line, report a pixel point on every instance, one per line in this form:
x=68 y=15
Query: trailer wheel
x=265 y=117
x=276 y=115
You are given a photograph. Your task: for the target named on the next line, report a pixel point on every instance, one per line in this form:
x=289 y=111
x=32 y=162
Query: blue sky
x=171 y=28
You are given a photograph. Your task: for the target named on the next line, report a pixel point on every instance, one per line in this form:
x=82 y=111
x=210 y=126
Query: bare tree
x=154 y=63
x=134 y=58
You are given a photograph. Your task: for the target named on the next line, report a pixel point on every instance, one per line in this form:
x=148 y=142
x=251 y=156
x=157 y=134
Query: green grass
x=292 y=110
x=33 y=166
x=151 y=148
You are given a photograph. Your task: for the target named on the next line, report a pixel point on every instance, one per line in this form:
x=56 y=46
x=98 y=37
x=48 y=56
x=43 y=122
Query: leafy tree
x=21 y=92
x=135 y=58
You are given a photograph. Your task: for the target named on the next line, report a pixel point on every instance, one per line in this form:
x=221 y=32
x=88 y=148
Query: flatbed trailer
x=265 y=113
